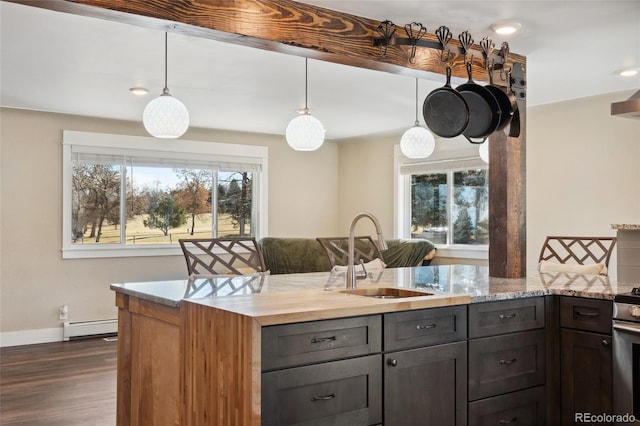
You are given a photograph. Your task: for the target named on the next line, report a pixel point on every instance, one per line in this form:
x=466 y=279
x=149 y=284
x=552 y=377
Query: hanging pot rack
x=415 y=35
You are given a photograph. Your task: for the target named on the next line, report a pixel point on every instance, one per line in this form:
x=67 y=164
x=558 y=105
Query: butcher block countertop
x=280 y=299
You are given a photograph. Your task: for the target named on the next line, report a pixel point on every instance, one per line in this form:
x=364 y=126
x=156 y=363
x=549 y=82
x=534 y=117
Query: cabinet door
x=586 y=374
x=426 y=386
x=338 y=393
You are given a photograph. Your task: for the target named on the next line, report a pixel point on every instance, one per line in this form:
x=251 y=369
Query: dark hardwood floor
x=59 y=384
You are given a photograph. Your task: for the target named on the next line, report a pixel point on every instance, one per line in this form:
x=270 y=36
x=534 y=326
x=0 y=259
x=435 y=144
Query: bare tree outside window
x=96 y=201
x=194 y=193
x=161 y=205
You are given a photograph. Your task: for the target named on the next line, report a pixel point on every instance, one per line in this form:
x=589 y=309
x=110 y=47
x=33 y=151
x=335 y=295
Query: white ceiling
x=52 y=61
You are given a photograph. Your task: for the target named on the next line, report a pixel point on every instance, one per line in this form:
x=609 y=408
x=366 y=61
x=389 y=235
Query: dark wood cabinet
x=505 y=316
x=522 y=408
x=507 y=362
x=345 y=371
x=586 y=364
x=586 y=314
x=425 y=327
x=344 y=392
x=426 y=386
x=296 y=344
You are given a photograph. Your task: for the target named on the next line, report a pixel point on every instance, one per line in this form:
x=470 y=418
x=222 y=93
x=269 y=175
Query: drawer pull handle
x=323 y=339
x=425 y=326
x=588 y=314
x=605 y=343
x=508 y=422
x=391 y=362
x=323 y=397
x=508 y=316
x=507 y=361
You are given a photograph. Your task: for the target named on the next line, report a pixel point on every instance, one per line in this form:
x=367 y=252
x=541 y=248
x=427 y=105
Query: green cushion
x=293 y=255
x=403 y=253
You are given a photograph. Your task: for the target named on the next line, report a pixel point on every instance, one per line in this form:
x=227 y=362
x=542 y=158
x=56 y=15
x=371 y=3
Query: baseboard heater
x=86 y=329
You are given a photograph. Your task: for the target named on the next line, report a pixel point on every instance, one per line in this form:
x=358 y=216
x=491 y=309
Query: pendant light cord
x=306 y=79
x=417 y=122
x=166 y=89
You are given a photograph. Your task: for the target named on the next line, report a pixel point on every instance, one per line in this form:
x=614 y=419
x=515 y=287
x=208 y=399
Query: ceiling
x=80 y=65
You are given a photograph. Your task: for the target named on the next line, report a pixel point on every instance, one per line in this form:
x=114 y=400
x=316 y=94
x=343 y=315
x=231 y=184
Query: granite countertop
x=320 y=295
x=625 y=227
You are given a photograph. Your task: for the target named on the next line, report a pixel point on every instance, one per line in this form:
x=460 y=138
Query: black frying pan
x=445 y=110
x=506 y=101
x=484 y=111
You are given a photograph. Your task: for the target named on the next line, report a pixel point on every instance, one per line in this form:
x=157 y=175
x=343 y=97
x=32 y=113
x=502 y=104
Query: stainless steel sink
x=386 y=292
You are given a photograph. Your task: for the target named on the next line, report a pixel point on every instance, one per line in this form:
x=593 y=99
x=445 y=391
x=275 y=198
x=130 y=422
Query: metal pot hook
x=466 y=40
x=444 y=37
x=420 y=31
x=504 y=52
x=487 y=45
x=386 y=29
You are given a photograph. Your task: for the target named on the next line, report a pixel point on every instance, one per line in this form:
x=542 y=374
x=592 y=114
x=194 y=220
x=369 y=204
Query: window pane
x=429 y=207
x=165 y=204
x=235 y=202
x=95 y=216
x=470 y=214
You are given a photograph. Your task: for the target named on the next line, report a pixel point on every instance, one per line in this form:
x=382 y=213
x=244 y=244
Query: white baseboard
x=30 y=337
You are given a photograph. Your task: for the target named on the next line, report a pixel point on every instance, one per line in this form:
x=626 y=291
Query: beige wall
x=582 y=175
x=35 y=280
x=583 y=171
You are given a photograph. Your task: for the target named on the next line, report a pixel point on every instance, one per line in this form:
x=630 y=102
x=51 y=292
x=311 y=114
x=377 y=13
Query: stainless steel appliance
x=626 y=357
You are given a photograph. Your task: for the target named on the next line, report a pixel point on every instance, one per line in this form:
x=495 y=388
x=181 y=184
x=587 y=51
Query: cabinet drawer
x=522 y=408
x=346 y=392
x=425 y=327
x=506 y=363
x=586 y=314
x=305 y=343
x=505 y=316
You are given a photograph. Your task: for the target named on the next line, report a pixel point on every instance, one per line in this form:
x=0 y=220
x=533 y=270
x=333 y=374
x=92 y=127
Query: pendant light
x=305 y=132
x=417 y=142
x=484 y=151
x=165 y=116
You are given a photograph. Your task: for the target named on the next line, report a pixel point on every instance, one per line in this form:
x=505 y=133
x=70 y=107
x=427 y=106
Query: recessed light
x=505 y=28
x=139 y=91
x=629 y=72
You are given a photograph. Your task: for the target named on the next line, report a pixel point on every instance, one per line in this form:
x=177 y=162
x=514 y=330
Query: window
x=160 y=190
x=445 y=201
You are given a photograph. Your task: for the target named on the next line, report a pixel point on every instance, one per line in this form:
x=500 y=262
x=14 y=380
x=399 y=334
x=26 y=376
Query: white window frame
x=402 y=197
x=148 y=146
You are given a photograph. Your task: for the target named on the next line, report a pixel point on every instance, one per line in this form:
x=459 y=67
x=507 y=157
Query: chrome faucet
x=382 y=245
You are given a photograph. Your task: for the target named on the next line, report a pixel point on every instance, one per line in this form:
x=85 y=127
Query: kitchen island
x=190 y=351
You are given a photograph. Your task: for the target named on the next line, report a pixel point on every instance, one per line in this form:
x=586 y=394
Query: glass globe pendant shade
x=166 y=117
x=417 y=142
x=305 y=132
x=484 y=151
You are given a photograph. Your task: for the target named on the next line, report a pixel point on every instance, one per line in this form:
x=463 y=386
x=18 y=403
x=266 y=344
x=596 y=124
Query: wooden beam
x=279 y=25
